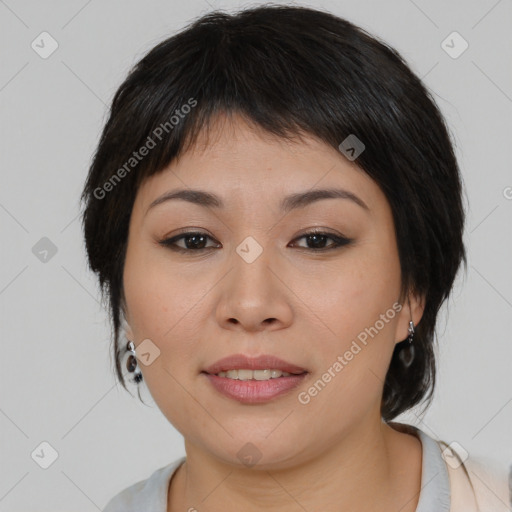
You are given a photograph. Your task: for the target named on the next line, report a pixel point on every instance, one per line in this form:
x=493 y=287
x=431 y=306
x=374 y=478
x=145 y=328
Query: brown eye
x=193 y=241
x=316 y=241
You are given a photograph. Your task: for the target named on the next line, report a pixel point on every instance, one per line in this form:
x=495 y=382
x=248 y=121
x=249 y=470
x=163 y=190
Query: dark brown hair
x=289 y=70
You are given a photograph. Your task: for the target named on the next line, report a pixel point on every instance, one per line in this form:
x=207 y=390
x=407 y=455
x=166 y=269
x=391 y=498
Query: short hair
x=289 y=70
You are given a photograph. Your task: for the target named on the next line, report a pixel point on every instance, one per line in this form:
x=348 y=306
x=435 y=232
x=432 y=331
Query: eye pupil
x=315 y=237
x=194 y=245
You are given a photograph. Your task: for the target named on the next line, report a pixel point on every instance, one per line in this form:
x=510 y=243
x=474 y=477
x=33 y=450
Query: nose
x=254 y=296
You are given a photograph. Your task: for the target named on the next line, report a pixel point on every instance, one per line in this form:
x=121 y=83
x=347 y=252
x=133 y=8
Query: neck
x=367 y=469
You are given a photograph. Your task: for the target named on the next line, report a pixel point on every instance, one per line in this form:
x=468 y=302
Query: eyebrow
x=291 y=202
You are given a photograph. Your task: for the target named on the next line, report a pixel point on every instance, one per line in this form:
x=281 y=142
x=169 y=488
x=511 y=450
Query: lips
x=254 y=392
x=262 y=362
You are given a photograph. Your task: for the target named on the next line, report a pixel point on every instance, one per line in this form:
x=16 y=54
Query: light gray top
x=435 y=483
x=150 y=495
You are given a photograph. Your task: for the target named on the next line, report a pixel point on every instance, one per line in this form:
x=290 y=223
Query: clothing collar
x=435 y=491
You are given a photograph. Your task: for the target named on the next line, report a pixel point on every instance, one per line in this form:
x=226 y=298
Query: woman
x=274 y=212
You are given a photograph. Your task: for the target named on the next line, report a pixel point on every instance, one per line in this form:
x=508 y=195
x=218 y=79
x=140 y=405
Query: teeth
x=253 y=374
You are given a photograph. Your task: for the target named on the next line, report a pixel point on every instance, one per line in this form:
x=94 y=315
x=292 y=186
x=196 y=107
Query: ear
x=412 y=309
x=128 y=332
x=126 y=328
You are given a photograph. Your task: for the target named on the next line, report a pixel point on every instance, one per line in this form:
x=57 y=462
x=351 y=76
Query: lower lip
x=254 y=391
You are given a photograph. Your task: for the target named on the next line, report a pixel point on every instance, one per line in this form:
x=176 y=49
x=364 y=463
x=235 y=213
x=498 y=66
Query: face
x=252 y=279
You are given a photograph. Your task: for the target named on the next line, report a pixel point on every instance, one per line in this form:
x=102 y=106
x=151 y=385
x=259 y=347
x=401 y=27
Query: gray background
x=56 y=378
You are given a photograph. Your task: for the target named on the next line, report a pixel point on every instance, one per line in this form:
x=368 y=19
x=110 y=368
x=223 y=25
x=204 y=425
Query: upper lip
x=262 y=362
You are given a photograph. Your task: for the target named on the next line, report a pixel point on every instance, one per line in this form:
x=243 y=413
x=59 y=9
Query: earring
x=131 y=363
x=406 y=355
x=411 y=332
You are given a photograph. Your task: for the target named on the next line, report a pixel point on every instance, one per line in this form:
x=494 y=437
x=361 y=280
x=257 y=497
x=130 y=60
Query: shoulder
x=475 y=484
x=489 y=481
x=149 y=495
x=492 y=483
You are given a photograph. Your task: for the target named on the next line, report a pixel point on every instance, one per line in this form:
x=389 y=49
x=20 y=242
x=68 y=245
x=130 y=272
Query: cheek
x=163 y=306
x=156 y=296
x=159 y=306
x=359 y=311
x=353 y=295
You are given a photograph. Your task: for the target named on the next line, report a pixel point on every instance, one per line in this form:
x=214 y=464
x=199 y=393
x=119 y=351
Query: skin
x=334 y=453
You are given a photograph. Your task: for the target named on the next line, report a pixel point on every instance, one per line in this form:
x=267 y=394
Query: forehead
x=232 y=136
x=239 y=161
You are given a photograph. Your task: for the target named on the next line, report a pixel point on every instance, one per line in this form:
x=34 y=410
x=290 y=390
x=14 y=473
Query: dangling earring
x=407 y=353
x=131 y=363
x=411 y=331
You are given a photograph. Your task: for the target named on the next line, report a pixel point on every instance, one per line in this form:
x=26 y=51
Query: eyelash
x=339 y=241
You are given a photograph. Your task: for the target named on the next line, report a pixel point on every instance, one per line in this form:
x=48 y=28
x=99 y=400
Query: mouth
x=247 y=374
x=254 y=380
x=263 y=367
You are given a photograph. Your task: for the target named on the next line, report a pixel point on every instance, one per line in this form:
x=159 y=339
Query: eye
x=196 y=241
x=193 y=241
x=318 y=238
